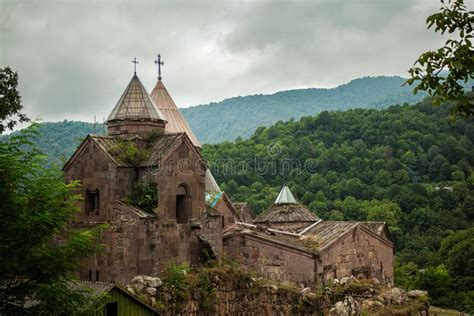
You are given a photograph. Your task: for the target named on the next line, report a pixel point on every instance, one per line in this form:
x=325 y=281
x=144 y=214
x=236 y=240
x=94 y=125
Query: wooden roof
x=166 y=105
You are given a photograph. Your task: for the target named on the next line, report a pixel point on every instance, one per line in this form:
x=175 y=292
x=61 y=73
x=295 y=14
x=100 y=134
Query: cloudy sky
x=74 y=57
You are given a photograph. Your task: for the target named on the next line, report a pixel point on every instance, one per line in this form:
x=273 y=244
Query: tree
x=456 y=57
x=38 y=247
x=10 y=100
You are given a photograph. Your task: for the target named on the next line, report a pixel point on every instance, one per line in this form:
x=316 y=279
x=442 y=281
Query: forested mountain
x=240 y=116
x=59 y=140
x=406 y=165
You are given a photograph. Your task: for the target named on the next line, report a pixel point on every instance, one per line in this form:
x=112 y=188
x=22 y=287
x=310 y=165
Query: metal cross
x=135 y=62
x=159 y=63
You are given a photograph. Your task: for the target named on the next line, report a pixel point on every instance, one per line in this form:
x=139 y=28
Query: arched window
x=182 y=204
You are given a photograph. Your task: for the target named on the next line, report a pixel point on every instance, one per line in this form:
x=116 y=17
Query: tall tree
x=38 y=248
x=456 y=57
x=10 y=100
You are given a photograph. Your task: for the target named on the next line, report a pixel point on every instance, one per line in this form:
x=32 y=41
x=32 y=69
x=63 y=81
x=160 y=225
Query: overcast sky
x=74 y=57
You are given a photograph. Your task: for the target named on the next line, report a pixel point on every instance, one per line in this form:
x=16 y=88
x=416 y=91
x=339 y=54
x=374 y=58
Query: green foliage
x=59 y=140
x=456 y=57
x=126 y=151
x=10 y=100
x=145 y=195
x=39 y=249
x=405 y=165
x=205 y=289
x=176 y=281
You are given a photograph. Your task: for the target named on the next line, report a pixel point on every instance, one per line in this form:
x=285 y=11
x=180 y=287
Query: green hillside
x=406 y=165
x=240 y=116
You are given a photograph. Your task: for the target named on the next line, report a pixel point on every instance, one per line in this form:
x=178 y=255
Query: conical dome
x=135 y=104
x=286 y=209
x=135 y=112
x=166 y=105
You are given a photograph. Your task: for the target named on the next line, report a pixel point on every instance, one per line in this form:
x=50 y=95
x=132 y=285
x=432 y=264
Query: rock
x=306 y=290
x=348 y=307
x=338 y=309
x=151 y=291
x=336 y=281
x=417 y=294
x=130 y=289
x=375 y=281
x=344 y=280
x=152 y=281
x=394 y=295
x=371 y=306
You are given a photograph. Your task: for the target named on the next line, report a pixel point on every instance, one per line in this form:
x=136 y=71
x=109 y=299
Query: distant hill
x=240 y=116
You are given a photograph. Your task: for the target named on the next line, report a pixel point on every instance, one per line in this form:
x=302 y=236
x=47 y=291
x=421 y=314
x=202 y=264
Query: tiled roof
x=159 y=148
x=329 y=231
x=135 y=103
x=166 y=105
x=286 y=213
x=271 y=236
x=243 y=209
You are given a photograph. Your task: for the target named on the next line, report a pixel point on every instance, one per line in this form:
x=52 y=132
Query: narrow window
x=97 y=275
x=182 y=204
x=92 y=201
x=90 y=275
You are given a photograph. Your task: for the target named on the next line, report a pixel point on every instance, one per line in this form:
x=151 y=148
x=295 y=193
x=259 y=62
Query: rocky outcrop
x=229 y=291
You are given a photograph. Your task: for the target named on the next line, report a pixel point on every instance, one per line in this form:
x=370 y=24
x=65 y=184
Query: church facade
x=188 y=219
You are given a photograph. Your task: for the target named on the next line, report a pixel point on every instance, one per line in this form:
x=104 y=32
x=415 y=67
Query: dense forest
x=241 y=116
x=406 y=165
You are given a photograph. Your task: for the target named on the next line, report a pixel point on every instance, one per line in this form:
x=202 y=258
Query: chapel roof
x=159 y=147
x=286 y=209
x=322 y=233
x=166 y=106
x=135 y=104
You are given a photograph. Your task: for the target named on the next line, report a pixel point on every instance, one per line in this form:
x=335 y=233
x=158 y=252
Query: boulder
x=151 y=291
x=393 y=296
x=417 y=294
x=371 y=306
x=348 y=307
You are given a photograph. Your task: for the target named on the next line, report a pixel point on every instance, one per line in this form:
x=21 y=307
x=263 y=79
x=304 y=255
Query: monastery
x=150 y=145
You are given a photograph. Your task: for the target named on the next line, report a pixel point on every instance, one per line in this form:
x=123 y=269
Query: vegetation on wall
x=144 y=195
x=405 y=165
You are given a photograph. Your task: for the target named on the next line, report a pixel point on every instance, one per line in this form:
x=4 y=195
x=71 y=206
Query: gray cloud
x=73 y=57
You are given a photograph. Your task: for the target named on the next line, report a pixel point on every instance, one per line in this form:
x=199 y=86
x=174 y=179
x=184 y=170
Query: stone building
x=148 y=143
x=150 y=147
x=289 y=243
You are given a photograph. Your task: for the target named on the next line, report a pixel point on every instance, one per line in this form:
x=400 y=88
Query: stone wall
x=359 y=253
x=227 y=290
x=272 y=260
x=136 y=243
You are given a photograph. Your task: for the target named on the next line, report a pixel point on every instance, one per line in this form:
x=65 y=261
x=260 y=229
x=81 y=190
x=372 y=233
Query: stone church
x=149 y=144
